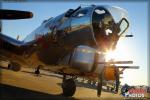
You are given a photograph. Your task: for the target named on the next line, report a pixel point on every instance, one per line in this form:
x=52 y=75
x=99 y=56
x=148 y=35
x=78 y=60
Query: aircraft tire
x=14 y=66
x=69 y=87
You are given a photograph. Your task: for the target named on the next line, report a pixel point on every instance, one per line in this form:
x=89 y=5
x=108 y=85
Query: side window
x=80 y=13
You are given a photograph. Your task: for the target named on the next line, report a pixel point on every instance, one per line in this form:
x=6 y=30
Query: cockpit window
x=81 y=13
x=118 y=14
x=98 y=11
x=109 y=23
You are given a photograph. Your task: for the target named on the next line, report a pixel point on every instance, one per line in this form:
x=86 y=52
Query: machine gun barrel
x=116 y=62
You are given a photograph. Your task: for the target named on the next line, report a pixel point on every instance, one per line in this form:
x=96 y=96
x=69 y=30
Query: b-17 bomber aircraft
x=71 y=44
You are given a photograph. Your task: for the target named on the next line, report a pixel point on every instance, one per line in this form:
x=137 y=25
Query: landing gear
x=99 y=85
x=14 y=66
x=68 y=86
x=37 y=70
x=117 y=81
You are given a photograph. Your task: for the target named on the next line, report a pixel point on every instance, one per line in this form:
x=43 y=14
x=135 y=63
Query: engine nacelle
x=83 y=58
x=110 y=72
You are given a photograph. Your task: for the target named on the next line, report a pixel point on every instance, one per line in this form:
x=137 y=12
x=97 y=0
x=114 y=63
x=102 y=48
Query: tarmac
x=25 y=84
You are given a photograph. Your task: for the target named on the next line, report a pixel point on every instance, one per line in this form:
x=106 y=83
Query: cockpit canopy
x=109 y=23
x=120 y=16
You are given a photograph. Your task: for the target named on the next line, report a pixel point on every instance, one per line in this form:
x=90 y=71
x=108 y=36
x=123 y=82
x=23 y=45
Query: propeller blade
x=14 y=14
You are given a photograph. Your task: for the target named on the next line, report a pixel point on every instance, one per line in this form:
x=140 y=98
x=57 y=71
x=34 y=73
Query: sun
x=110 y=55
x=119 y=54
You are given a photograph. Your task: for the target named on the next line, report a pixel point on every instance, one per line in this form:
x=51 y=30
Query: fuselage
x=92 y=26
x=60 y=35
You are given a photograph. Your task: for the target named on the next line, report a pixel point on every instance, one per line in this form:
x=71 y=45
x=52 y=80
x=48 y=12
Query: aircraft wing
x=7 y=14
x=6 y=40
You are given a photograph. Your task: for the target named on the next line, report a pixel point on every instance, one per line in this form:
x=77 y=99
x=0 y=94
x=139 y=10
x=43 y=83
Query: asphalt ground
x=26 y=85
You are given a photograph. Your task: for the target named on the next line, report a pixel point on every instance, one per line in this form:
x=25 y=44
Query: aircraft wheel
x=14 y=66
x=37 y=70
x=111 y=89
x=108 y=88
x=69 y=87
x=94 y=83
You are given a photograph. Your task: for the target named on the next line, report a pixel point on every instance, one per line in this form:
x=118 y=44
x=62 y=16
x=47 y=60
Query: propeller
x=15 y=14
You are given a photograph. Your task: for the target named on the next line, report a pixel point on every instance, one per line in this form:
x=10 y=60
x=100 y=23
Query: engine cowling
x=110 y=72
x=83 y=58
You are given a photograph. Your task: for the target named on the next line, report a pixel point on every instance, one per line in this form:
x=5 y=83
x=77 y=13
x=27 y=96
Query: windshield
x=109 y=23
x=117 y=14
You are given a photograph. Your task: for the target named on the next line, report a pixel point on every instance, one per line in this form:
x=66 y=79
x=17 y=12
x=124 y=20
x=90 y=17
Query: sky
x=134 y=48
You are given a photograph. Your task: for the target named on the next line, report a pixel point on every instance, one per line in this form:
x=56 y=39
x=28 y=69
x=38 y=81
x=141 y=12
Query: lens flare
x=110 y=55
x=120 y=53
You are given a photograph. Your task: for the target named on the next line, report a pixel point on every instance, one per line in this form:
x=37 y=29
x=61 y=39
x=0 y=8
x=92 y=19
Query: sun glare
x=120 y=53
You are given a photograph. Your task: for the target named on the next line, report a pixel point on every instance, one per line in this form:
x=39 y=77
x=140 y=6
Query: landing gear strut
x=117 y=81
x=37 y=70
x=68 y=86
x=99 y=85
x=100 y=82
